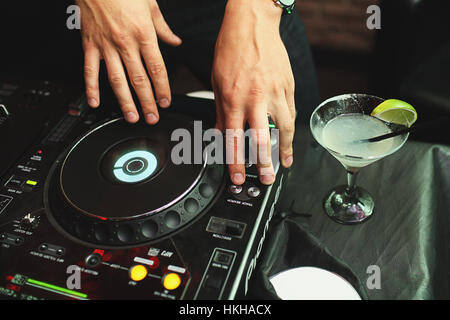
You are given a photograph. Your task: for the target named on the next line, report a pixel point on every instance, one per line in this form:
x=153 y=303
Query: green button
x=31 y=182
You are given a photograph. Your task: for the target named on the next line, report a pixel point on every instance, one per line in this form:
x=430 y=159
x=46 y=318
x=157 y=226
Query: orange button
x=171 y=281
x=138 y=272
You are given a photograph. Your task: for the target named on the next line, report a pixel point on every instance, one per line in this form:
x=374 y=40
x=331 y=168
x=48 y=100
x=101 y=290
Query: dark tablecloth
x=408 y=236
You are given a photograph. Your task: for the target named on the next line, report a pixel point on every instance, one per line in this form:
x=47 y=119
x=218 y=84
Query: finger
x=285 y=123
x=259 y=125
x=162 y=28
x=92 y=58
x=234 y=143
x=219 y=108
x=290 y=99
x=157 y=71
x=219 y=116
x=119 y=84
x=141 y=84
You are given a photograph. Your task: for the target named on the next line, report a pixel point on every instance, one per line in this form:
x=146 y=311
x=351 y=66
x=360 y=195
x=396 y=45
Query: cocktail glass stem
x=351 y=182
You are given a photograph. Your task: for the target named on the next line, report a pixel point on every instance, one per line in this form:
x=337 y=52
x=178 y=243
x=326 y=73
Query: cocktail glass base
x=347 y=207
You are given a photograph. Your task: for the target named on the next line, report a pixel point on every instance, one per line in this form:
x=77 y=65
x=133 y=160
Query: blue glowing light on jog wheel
x=122 y=172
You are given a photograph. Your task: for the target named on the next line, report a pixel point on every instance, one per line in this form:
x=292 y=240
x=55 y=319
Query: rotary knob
x=30 y=221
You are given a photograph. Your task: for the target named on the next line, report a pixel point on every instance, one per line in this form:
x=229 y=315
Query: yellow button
x=171 y=281
x=31 y=182
x=138 y=272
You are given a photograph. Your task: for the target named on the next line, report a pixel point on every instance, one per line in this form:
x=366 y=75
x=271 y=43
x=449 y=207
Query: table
x=407 y=238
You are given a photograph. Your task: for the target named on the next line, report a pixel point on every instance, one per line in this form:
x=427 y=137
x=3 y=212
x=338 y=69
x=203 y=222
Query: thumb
x=162 y=29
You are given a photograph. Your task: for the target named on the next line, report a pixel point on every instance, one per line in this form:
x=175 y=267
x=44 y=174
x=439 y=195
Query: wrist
x=266 y=9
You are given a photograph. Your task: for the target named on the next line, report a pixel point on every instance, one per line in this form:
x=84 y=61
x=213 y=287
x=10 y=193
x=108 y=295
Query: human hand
x=252 y=78
x=125 y=33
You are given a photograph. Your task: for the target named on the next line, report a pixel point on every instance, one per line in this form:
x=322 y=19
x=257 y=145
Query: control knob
x=29 y=221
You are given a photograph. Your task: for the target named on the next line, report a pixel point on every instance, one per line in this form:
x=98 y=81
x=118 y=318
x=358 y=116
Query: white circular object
x=122 y=167
x=310 y=283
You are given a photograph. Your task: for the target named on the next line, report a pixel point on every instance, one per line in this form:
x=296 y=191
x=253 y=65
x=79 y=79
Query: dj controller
x=92 y=207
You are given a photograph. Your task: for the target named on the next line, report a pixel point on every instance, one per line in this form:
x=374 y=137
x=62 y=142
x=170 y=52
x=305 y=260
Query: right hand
x=125 y=33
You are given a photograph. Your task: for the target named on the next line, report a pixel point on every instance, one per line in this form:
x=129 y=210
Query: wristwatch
x=287 y=5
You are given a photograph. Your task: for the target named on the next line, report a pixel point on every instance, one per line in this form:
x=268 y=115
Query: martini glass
x=338 y=124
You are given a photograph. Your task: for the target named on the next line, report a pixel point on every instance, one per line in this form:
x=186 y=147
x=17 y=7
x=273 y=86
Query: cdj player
x=92 y=207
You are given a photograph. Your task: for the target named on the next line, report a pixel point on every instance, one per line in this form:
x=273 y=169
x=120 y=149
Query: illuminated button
x=138 y=272
x=135 y=166
x=29 y=185
x=171 y=281
x=31 y=182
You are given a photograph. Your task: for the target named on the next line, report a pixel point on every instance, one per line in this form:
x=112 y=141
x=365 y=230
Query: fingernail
x=288 y=161
x=163 y=103
x=92 y=102
x=151 y=118
x=238 y=178
x=131 y=117
x=267 y=179
x=177 y=39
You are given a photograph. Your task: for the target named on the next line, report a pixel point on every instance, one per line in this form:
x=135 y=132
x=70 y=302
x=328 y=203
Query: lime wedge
x=396 y=111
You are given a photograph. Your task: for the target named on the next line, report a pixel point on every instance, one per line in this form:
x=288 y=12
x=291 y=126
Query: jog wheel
x=118 y=186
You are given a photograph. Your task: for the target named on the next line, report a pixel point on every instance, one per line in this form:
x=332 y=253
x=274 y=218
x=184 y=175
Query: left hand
x=252 y=78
